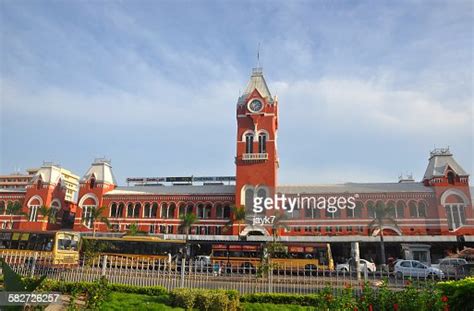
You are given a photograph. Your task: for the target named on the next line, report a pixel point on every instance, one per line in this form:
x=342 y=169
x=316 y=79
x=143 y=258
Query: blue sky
x=366 y=88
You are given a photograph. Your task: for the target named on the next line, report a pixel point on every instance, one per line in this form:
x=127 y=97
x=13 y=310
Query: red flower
x=395 y=306
x=444 y=298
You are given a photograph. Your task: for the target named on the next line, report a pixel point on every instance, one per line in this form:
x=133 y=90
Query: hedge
x=459 y=294
x=205 y=299
x=291 y=299
x=69 y=287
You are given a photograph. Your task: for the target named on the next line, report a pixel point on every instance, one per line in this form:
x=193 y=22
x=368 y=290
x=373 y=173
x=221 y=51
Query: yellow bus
x=244 y=256
x=56 y=248
x=135 y=250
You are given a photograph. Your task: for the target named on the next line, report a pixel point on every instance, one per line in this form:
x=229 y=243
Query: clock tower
x=256 y=159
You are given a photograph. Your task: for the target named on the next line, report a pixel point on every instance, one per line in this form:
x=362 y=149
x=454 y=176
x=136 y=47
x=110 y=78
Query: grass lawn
x=123 y=301
x=272 y=307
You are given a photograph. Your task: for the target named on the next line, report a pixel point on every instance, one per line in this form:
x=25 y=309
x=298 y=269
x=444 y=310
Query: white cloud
x=374 y=105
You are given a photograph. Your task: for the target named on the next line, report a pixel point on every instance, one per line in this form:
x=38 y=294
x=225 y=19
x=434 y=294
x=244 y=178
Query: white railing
x=254 y=156
x=244 y=277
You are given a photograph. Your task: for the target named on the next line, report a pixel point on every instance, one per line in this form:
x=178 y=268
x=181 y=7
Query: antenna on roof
x=258 y=55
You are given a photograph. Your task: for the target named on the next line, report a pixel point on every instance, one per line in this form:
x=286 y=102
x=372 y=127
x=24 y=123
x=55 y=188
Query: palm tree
x=187 y=221
x=239 y=216
x=278 y=223
x=383 y=216
x=14 y=208
x=133 y=229
x=97 y=215
x=48 y=212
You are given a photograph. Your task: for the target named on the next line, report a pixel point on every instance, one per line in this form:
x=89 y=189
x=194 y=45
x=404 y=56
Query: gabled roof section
x=257 y=82
x=102 y=171
x=50 y=173
x=440 y=160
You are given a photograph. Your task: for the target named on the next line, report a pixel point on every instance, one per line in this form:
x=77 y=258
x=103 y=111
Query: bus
x=61 y=247
x=245 y=256
x=135 y=250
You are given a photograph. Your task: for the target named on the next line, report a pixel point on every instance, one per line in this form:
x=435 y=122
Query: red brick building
x=435 y=212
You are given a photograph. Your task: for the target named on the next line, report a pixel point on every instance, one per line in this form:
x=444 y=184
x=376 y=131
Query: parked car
x=350 y=266
x=415 y=268
x=453 y=267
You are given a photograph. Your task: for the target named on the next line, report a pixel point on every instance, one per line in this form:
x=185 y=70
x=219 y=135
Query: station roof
x=175 y=190
x=355 y=188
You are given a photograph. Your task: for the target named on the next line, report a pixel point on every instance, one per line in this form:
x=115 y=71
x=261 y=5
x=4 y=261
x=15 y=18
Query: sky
x=366 y=88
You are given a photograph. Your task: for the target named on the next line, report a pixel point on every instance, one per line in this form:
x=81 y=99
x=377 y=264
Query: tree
x=187 y=221
x=48 y=212
x=239 y=216
x=97 y=215
x=383 y=216
x=133 y=229
x=14 y=208
x=278 y=223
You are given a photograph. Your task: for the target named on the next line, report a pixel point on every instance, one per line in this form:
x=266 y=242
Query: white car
x=349 y=266
x=415 y=268
x=454 y=267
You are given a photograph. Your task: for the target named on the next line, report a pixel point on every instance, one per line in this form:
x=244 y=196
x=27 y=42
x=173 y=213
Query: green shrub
x=294 y=299
x=459 y=294
x=81 y=287
x=97 y=294
x=183 y=297
x=205 y=300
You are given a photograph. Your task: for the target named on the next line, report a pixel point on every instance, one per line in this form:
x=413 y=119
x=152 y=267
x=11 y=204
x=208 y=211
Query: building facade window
x=400 y=210
x=456 y=215
x=87 y=211
x=33 y=212
x=249 y=143
x=371 y=209
x=262 y=143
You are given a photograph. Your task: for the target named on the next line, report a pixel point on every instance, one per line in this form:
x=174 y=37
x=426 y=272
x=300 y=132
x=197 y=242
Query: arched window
x=451 y=178
x=136 y=212
x=413 y=209
x=39 y=184
x=147 y=210
x=130 y=210
x=171 y=210
x=219 y=211
x=121 y=208
x=2 y=207
x=207 y=211
x=370 y=209
x=164 y=210
x=262 y=143
x=182 y=210
x=113 y=210
x=249 y=193
x=33 y=207
x=226 y=211
x=249 y=143
x=201 y=211
x=421 y=209
x=87 y=215
x=455 y=211
x=400 y=211
x=154 y=210
x=392 y=211
x=356 y=212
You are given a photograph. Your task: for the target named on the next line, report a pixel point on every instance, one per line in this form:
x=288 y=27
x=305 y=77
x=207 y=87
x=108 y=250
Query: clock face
x=255 y=105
